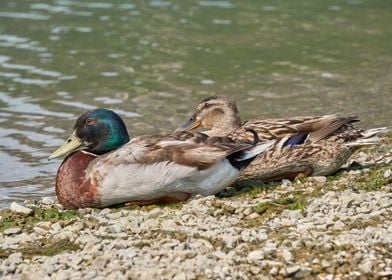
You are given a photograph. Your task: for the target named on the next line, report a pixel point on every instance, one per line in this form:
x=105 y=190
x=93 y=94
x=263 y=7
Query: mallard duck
x=105 y=168
x=317 y=145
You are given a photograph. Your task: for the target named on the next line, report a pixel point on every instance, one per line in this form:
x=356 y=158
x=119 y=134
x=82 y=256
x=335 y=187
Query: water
x=152 y=61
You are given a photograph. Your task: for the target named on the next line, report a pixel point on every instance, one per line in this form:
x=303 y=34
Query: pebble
x=366 y=266
x=339 y=225
x=256 y=255
x=319 y=179
x=48 y=200
x=15 y=258
x=325 y=263
x=39 y=230
x=16 y=207
x=287 y=256
x=13 y=230
x=292 y=269
x=253 y=216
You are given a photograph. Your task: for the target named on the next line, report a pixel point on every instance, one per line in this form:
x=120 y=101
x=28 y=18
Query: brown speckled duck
x=310 y=146
x=105 y=168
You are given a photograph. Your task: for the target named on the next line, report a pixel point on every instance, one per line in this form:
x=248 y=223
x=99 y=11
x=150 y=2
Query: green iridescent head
x=98 y=131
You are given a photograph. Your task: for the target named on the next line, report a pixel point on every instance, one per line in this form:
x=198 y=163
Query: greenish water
x=152 y=61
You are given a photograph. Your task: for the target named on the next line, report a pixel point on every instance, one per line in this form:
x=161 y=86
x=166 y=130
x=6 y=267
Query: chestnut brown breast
x=73 y=189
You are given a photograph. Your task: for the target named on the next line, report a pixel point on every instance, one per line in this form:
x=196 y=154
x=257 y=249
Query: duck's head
x=98 y=131
x=217 y=113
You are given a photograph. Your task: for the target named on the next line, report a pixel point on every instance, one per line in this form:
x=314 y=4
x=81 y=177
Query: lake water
x=152 y=61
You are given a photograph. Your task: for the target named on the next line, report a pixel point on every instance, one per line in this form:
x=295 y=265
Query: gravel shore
x=336 y=227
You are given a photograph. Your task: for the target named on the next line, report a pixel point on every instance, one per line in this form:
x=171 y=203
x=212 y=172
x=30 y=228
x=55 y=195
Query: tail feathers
x=242 y=159
x=369 y=137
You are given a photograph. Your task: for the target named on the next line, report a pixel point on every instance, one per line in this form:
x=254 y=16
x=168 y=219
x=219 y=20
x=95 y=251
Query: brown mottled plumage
x=328 y=140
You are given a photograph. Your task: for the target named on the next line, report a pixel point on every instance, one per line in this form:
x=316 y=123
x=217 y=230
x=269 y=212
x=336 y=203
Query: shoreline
x=315 y=228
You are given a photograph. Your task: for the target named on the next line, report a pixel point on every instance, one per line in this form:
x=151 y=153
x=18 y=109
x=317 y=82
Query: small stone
x=273 y=270
x=114 y=216
x=56 y=227
x=385 y=273
x=287 y=256
x=339 y=225
x=329 y=277
x=40 y=231
x=180 y=276
x=168 y=225
x=325 y=263
x=45 y=225
x=292 y=214
x=15 y=258
x=104 y=212
x=387 y=173
x=366 y=266
x=292 y=269
x=15 y=207
x=48 y=200
x=13 y=230
x=256 y=255
x=128 y=253
x=58 y=206
x=155 y=212
x=286 y=182
x=255 y=270
x=253 y=216
x=247 y=211
x=262 y=236
x=346 y=201
x=320 y=179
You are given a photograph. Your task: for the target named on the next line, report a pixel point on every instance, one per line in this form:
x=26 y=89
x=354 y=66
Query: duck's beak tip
x=69 y=146
x=189 y=125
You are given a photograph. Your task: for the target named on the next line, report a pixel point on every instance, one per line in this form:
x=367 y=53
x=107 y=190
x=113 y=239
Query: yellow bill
x=72 y=143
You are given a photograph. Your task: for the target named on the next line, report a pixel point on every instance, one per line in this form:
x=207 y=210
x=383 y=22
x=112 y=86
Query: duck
x=308 y=146
x=104 y=166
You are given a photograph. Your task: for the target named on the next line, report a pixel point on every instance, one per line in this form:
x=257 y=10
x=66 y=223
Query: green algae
x=249 y=190
x=42 y=247
x=45 y=247
x=294 y=200
x=173 y=205
x=11 y=219
x=374 y=180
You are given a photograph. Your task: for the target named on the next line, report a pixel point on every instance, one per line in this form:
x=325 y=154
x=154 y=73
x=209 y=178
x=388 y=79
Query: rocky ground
x=336 y=227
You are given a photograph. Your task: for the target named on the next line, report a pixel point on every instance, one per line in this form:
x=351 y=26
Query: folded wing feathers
x=329 y=126
x=369 y=137
x=252 y=152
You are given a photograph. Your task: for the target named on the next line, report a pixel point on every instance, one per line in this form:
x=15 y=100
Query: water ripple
x=7 y=40
x=24 y=16
x=92 y=5
x=37 y=82
x=92 y=107
x=217 y=4
x=22 y=105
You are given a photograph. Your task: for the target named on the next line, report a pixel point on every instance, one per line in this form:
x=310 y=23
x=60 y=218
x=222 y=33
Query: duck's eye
x=207 y=105
x=90 y=121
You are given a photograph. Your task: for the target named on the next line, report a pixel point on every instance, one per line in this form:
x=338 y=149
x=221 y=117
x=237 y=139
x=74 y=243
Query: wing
x=183 y=148
x=315 y=128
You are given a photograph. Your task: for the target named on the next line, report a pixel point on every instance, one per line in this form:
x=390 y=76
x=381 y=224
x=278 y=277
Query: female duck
x=310 y=145
x=108 y=169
